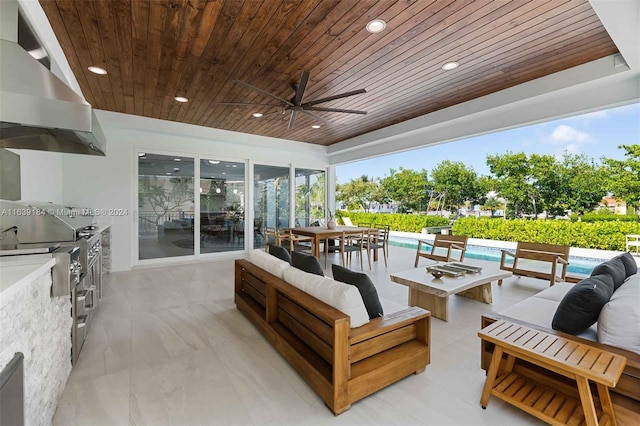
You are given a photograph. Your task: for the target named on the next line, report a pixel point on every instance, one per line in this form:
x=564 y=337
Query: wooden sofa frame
x=449 y=242
x=554 y=254
x=342 y=365
x=626 y=394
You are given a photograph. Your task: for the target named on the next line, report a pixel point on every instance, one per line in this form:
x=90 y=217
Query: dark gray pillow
x=580 y=307
x=307 y=263
x=280 y=252
x=630 y=265
x=613 y=267
x=365 y=287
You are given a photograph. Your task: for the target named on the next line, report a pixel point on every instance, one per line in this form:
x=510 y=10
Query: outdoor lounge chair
x=442 y=248
x=551 y=253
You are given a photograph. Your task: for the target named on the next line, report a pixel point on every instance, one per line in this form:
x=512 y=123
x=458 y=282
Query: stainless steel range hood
x=37 y=110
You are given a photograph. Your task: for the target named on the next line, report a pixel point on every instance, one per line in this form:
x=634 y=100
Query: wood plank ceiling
x=155 y=50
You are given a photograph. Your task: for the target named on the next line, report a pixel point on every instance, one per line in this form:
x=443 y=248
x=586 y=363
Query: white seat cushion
x=619 y=321
x=344 y=297
x=555 y=292
x=269 y=263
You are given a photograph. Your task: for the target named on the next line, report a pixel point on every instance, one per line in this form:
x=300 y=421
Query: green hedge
x=601 y=235
x=599 y=217
x=397 y=221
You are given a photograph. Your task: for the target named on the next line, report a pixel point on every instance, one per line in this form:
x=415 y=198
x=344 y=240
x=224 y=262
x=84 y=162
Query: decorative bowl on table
x=435 y=272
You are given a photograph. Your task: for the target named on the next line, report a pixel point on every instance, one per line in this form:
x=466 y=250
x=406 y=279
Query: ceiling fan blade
x=348 y=111
x=245 y=104
x=292 y=119
x=317 y=117
x=334 y=97
x=302 y=86
x=257 y=89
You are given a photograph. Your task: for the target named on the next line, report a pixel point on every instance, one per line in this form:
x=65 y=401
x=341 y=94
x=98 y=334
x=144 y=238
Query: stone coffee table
x=433 y=294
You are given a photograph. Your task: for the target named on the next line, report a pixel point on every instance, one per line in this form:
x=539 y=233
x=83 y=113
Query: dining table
x=322 y=233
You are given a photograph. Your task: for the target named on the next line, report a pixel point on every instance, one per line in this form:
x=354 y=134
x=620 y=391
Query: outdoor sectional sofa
x=617 y=329
x=342 y=354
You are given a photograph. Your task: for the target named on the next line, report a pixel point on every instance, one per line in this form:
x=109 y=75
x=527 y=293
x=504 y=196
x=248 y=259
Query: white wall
x=40 y=175
x=107 y=182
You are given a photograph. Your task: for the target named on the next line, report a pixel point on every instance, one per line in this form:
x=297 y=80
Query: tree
x=623 y=176
x=458 y=181
x=357 y=193
x=406 y=187
x=165 y=196
x=512 y=173
x=585 y=184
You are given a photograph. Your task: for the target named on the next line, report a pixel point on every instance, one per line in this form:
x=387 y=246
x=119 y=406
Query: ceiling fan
x=296 y=104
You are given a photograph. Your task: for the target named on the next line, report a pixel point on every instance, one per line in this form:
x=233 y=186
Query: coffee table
x=433 y=294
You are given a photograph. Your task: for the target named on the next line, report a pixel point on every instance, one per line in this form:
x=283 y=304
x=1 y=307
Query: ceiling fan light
x=257 y=114
x=450 y=65
x=376 y=26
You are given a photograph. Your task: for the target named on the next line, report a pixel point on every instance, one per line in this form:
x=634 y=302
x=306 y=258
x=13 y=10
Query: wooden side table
x=581 y=362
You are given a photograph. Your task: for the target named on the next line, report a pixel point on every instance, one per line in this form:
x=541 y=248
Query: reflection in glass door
x=310 y=196
x=222 y=195
x=271 y=199
x=166 y=206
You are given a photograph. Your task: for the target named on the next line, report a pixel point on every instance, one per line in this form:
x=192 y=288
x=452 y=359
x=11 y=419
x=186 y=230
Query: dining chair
x=350 y=242
x=296 y=240
x=378 y=239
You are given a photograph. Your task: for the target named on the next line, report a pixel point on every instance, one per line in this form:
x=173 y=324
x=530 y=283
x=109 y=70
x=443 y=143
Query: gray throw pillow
x=580 y=307
x=307 y=263
x=630 y=265
x=365 y=287
x=613 y=267
x=280 y=252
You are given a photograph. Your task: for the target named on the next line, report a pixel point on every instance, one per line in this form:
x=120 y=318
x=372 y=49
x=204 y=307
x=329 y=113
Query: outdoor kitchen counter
x=16 y=271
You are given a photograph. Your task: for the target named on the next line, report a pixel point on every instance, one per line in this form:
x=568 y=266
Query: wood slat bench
x=580 y=362
x=341 y=364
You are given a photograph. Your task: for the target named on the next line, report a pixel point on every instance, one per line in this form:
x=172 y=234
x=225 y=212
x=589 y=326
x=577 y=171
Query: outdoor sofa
x=322 y=328
x=617 y=326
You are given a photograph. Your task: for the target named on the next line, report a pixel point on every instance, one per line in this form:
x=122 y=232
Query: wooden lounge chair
x=551 y=253
x=446 y=242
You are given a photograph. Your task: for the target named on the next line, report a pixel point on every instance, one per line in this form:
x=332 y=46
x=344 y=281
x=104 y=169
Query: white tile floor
x=169 y=348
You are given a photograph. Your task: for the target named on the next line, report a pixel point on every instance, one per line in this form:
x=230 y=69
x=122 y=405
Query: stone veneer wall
x=39 y=326
x=106 y=250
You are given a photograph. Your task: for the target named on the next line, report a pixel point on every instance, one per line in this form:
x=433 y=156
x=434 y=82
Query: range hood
x=37 y=110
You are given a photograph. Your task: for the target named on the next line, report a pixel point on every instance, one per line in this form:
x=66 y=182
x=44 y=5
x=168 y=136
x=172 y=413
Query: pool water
x=577 y=265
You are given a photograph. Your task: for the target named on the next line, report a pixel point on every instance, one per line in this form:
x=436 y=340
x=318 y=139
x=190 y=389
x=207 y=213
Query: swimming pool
x=577 y=265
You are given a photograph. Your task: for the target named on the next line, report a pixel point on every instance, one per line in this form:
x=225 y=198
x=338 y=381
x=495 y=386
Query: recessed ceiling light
x=450 y=65
x=235 y=191
x=214 y=161
x=224 y=173
x=177 y=169
x=142 y=154
x=97 y=70
x=315 y=126
x=181 y=99
x=177 y=159
x=218 y=190
x=234 y=165
x=376 y=26
x=168 y=173
x=257 y=114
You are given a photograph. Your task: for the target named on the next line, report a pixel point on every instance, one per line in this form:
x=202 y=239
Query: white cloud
x=564 y=134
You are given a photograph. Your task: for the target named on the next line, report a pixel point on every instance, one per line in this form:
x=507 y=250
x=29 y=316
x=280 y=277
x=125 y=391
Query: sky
x=596 y=134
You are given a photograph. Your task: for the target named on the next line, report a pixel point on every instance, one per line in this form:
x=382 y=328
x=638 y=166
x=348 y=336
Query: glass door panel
x=166 y=206
x=271 y=199
x=222 y=193
x=310 y=196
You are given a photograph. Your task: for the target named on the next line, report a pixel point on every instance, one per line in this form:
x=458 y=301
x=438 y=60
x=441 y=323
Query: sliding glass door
x=270 y=200
x=222 y=197
x=166 y=206
x=310 y=196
